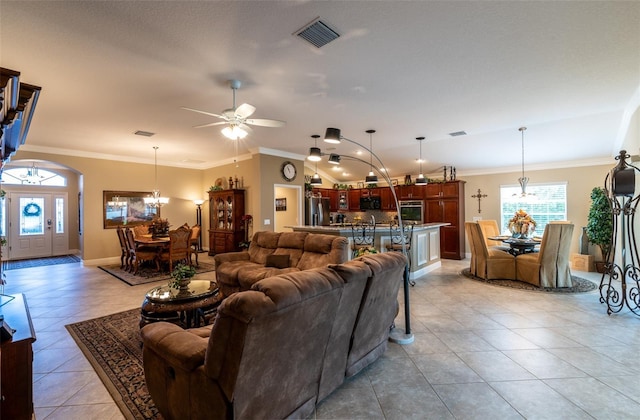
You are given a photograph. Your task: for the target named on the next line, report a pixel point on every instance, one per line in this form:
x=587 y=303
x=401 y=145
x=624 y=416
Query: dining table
x=518 y=246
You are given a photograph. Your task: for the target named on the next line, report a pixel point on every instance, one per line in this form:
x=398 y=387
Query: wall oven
x=412 y=211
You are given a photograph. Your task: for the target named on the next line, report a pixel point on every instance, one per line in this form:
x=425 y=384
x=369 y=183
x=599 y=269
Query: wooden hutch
x=226 y=228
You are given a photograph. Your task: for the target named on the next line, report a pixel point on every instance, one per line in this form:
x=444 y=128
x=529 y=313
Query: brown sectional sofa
x=278 y=349
x=273 y=253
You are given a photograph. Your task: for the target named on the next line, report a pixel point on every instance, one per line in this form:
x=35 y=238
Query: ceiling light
x=332 y=135
x=420 y=180
x=156 y=200
x=523 y=180
x=334 y=159
x=371 y=177
x=234 y=132
x=315 y=154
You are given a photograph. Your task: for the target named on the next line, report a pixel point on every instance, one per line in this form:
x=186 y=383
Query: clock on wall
x=288 y=171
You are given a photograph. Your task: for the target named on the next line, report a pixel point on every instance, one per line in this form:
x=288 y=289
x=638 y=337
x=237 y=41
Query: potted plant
x=600 y=225
x=181 y=276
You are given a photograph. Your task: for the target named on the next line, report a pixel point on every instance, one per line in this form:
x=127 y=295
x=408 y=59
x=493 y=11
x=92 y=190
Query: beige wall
x=288 y=217
x=580 y=181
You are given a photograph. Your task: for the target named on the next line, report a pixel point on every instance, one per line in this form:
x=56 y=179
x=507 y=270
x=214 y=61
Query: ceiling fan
x=237 y=118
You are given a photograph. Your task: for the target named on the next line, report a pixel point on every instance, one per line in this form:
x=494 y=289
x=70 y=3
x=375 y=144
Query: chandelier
x=523 y=180
x=156 y=200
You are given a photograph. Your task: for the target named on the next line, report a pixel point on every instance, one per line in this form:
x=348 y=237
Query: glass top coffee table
x=188 y=307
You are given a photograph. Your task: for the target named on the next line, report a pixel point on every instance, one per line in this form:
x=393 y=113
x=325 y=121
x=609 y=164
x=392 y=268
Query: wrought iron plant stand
x=620 y=282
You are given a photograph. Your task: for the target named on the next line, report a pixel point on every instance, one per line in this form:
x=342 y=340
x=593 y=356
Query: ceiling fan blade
x=203 y=112
x=245 y=110
x=210 y=124
x=246 y=128
x=265 y=122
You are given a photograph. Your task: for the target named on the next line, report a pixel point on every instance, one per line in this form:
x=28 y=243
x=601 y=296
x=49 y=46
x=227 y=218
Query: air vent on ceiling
x=317 y=33
x=144 y=133
x=458 y=133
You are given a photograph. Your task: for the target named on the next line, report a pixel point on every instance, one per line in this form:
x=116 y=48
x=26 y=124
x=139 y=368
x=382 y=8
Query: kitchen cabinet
x=411 y=192
x=444 y=202
x=354 y=200
x=226 y=228
x=386 y=199
x=343 y=200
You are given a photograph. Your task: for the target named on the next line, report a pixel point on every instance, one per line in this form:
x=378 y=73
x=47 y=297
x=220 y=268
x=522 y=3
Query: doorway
x=288 y=212
x=37 y=224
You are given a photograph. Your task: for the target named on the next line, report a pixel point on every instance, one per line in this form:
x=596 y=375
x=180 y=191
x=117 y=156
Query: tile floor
x=480 y=352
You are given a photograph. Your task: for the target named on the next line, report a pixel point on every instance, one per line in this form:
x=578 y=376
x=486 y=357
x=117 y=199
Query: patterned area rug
x=580 y=285
x=113 y=346
x=147 y=274
x=39 y=262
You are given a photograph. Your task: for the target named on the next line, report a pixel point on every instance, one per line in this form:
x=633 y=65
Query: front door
x=37 y=226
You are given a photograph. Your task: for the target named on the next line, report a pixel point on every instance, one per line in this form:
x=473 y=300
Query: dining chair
x=138 y=254
x=490 y=229
x=179 y=249
x=124 y=249
x=549 y=267
x=491 y=263
x=363 y=235
x=398 y=237
x=193 y=243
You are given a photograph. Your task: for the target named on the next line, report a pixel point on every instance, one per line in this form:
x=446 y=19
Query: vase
x=184 y=284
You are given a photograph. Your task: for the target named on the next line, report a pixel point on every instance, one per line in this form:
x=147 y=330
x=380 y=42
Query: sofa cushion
x=247 y=276
x=321 y=250
x=277 y=260
x=262 y=244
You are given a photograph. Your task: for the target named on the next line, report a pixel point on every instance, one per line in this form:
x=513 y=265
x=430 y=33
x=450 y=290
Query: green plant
x=181 y=272
x=600 y=221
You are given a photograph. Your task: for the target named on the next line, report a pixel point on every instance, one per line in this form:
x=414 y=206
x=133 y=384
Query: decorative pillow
x=277 y=261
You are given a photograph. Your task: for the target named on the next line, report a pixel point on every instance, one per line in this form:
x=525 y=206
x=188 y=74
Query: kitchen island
x=425 y=243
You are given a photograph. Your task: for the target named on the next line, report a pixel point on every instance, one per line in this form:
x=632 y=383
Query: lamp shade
x=315 y=154
x=316 y=180
x=334 y=159
x=332 y=135
x=371 y=177
x=234 y=132
x=421 y=180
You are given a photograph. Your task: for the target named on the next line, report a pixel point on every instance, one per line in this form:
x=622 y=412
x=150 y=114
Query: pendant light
x=315 y=179
x=420 y=180
x=371 y=177
x=156 y=200
x=523 y=180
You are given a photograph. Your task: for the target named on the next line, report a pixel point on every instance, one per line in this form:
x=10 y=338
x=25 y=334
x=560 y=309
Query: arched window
x=32 y=176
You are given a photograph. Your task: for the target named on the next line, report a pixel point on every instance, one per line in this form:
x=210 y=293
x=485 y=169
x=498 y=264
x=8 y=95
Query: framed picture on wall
x=126 y=208
x=281 y=204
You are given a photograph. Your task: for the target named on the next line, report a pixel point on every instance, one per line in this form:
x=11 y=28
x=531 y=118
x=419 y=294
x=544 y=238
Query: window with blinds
x=548 y=203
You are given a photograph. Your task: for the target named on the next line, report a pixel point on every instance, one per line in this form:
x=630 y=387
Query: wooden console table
x=16 y=362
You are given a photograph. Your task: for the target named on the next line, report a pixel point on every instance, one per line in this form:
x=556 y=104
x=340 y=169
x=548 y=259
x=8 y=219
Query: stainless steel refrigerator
x=316 y=211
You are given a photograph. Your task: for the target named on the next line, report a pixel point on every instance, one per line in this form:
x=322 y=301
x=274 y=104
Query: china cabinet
x=226 y=229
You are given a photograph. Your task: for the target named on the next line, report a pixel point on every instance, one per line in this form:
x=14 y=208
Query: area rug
x=39 y=262
x=579 y=284
x=147 y=274
x=113 y=346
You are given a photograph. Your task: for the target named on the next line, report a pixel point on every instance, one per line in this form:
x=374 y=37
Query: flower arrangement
x=521 y=224
x=365 y=250
x=181 y=275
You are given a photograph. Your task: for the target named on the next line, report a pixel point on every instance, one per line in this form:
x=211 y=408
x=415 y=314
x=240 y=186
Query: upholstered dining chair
x=549 y=267
x=363 y=235
x=138 y=254
x=193 y=243
x=490 y=228
x=179 y=249
x=490 y=263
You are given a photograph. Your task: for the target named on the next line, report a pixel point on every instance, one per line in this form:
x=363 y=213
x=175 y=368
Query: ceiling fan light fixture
x=332 y=135
x=233 y=132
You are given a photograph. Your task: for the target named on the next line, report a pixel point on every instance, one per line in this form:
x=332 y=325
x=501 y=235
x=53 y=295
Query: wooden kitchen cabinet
x=411 y=192
x=444 y=202
x=354 y=200
x=226 y=228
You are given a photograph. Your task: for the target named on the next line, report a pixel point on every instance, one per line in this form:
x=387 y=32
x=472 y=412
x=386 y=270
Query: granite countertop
x=347 y=227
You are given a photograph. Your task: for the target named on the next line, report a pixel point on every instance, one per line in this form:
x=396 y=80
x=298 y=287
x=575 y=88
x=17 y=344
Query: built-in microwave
x=371 y=202
x=412 y=211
